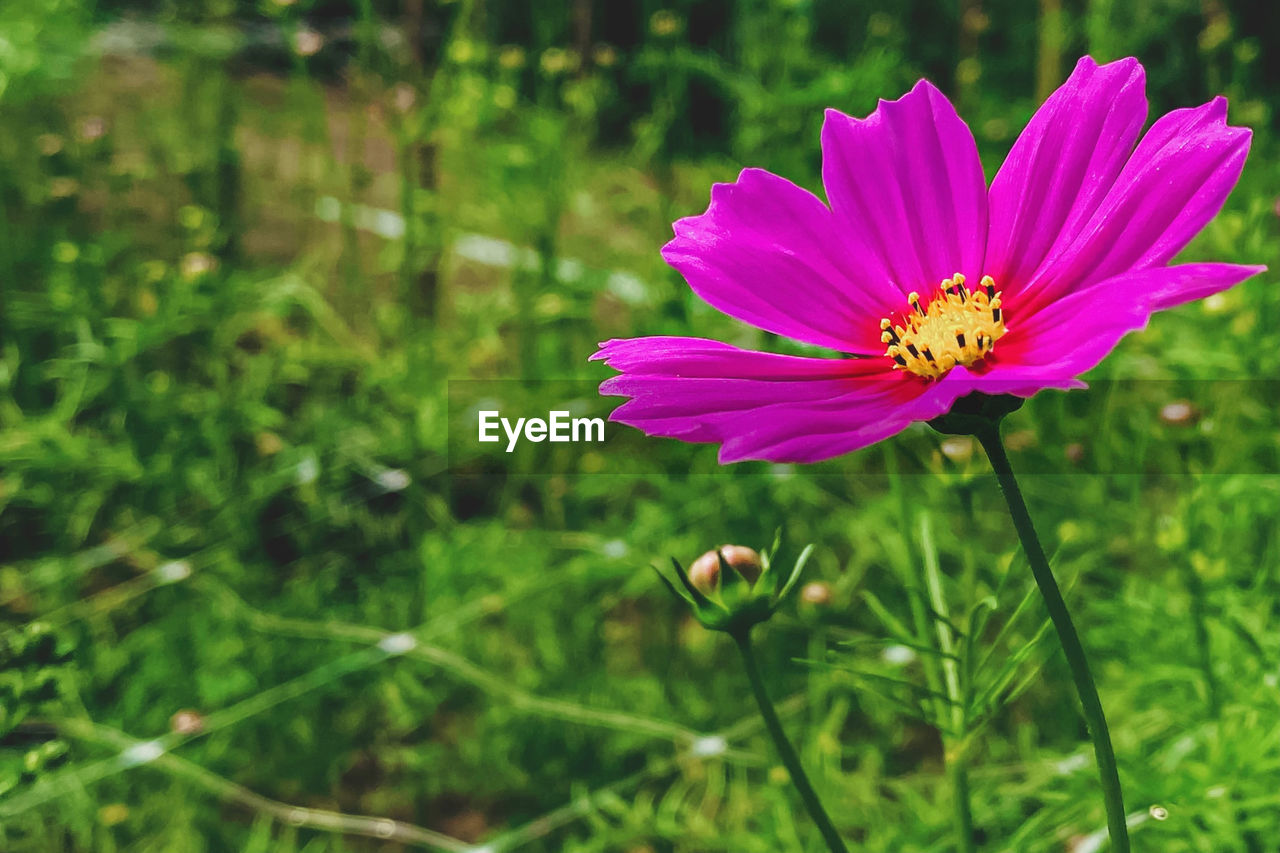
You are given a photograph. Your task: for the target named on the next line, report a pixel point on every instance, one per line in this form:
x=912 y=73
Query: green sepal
x=696 y=598
x=975 y=413
x=733 y=586
x=669 y=585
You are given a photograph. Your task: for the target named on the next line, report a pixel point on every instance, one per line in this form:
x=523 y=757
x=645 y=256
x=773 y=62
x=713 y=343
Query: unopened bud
x=1179 y=413
x=186 y=722
x=704 y=574
x=958 y=448
x=816 y=593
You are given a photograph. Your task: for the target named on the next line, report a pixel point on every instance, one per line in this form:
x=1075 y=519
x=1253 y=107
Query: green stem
x=963 y=813
x=788 y=753
x=1112 y=797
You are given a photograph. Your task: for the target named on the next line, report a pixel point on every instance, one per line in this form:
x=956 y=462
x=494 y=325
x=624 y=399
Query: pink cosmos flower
x=938 y=285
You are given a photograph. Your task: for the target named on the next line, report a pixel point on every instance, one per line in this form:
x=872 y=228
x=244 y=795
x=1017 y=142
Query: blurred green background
x=250 y=602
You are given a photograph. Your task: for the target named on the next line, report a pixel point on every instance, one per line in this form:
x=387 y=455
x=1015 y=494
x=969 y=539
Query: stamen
x=955 y=326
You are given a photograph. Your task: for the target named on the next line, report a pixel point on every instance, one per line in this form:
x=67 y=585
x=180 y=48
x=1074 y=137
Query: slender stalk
x=989 y=437
x=963 y=812
x=788 y=753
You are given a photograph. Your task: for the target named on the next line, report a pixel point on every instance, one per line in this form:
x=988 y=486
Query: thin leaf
x=887 y=619
x=795 y=573
x=698 y=598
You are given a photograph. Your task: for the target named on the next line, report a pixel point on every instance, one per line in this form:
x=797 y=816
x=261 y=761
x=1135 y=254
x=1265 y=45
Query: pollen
x=956 y=326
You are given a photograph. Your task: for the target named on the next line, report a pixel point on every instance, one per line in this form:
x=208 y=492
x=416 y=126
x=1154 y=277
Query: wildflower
x=938 y=285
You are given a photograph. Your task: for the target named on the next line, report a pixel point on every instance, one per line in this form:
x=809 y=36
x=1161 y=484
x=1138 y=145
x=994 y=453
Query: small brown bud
x=1179 y=413
x=816 y=593
x=186 y=722
x=958 y=448
x=704 y=574
x=1074 y=452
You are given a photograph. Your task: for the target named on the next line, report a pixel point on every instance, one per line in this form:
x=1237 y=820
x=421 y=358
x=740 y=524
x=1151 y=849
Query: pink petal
x=759 y=405
x=1062 y=166
x=1175 y=182
x=827 y=428
x=1055 y=346
x=908 y=182
x=771 y=254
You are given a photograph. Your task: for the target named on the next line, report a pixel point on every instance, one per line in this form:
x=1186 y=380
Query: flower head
x=938 y=285
x=734 y=587
x=704 y=572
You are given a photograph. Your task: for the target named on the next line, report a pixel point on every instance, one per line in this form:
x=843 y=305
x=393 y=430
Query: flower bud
x=186 y=722
x=816 y=593
x=704 y=574
x=749 y=594
x=1179 y=413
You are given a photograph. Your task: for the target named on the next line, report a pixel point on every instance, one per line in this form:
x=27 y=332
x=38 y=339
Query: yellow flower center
x=959 y=326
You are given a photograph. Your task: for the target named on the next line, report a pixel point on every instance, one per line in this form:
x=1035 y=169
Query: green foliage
x=252 y=599
x=33 y=667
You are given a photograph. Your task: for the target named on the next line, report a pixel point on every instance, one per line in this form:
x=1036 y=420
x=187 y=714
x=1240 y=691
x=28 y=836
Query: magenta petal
x=770 y=253
x=908 y=182
x=1062 y=166
x=759 y=405
x=1071 y=336
x=1186 y=282
x=842 y=425
x=1175 y=182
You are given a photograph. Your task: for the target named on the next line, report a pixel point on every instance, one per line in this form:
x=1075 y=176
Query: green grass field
x=260 y=263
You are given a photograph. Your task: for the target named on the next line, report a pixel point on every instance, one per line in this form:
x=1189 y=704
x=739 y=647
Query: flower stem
x=989 y=437
x=788 y=753
x=963 y=812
